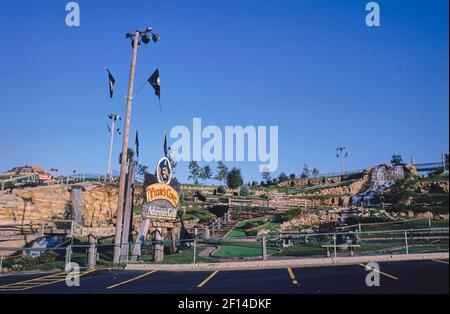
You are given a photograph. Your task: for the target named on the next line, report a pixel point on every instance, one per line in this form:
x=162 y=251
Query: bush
x=221 y=190
x=245 y=191
x=29 y=263
x=251 y=233
x=289 y=215
x=200 y=196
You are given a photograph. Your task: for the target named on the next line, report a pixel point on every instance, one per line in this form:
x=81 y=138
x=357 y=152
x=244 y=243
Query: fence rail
x=200 y=249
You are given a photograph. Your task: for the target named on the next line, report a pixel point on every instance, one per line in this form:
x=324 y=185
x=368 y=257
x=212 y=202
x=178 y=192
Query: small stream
x=382 y=178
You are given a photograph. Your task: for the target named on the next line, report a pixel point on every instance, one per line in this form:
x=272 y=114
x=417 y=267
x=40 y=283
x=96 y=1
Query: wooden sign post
x=159 y=212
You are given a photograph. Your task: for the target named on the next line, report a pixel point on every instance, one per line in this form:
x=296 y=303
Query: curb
x=307 y=262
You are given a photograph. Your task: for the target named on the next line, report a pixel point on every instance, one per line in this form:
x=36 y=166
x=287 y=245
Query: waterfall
x=76 y=199
x=382 y=178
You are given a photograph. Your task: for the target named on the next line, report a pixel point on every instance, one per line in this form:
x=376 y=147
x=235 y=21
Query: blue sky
x=312 y=67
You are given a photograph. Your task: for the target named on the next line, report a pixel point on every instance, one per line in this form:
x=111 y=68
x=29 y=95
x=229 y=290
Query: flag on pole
x=165 y=144
x=155 y=83
x=112 y=81
x=136 y=141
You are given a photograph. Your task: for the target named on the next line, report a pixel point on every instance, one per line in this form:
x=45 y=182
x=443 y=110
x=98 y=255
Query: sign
x=159 y=210
x=164 y=170
x=163 y=224
x=162 y=202
x=44 y=177
x=160 y=191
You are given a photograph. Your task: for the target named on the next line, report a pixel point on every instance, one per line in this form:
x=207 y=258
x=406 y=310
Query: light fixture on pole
x=341 y=152
x=113 y=117
x=145 y=37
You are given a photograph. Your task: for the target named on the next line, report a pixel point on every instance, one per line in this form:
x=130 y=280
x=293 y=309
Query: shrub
x=245 y=191
x=221 y=190
x=200 y=196
x=251 y=233
x=289 y=215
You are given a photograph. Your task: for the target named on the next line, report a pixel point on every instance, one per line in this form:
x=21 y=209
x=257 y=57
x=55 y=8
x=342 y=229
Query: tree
x=315 y=173
x=282 y=177
x=173 y=162
x=234 y=178
x=396 y=159
x=266 y=175
x=142 y=170
x=222 y=171
x=194 y=171
x=446 y=161
x=130 y=156
x=205 y=174
x=292 y=176
x=306 y=172
x=245 y=191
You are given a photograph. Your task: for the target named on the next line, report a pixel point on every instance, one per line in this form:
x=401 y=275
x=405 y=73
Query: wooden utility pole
x=128 y=208
x=123 y=165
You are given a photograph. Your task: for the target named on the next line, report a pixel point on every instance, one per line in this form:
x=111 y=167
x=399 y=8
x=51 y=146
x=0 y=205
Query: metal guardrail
x=74 y=178
x=308 y=244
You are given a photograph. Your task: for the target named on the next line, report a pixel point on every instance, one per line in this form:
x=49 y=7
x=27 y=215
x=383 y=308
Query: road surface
x=427 y=276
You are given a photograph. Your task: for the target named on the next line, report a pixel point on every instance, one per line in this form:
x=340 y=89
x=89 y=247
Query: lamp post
x=113 y=117
x=341 y=152
x=145 y=36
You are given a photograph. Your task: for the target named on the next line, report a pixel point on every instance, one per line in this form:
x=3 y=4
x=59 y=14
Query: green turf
x=235 y=251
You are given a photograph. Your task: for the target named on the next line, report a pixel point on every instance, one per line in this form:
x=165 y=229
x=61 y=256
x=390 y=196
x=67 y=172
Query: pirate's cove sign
x=161 y=191
x=162 y=202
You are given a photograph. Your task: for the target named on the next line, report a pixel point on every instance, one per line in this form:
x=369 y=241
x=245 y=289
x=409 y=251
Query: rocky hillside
x=45 y=203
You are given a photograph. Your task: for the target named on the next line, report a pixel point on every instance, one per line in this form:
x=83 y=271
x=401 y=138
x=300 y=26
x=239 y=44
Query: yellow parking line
x=60 y=280
x=291 y=274
x=27 y=281
x=132 y=279
x=40 y=281
x=381 y=273
x=443 y=262
x=204 y=282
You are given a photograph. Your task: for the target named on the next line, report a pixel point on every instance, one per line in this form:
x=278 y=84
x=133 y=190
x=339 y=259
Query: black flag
x=155 y=82
x=112 y=81
x=109 y=129
x=165 y=144
x=136 y=141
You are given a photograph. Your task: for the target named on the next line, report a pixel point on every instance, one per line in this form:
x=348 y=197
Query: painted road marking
x=381 y=273
x=443 y=262
x=40 y=281
x=291 y=274
x=204 y=282
x=132 y=279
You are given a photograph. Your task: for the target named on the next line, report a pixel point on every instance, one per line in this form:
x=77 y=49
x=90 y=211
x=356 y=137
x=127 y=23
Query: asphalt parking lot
x=427 y=276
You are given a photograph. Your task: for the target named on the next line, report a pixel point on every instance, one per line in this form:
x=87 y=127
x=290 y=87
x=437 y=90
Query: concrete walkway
x=304 y=262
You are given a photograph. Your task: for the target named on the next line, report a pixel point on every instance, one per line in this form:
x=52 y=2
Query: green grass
x=241 y=251
x=137 y=209
x=302 y=249
x=239 y=232
x=198 y=213
x=438 y=178
x=403 y=225
x=185 y=257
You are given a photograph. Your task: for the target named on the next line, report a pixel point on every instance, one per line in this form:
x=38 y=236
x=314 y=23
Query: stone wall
x=310 y=181
x=52 y=202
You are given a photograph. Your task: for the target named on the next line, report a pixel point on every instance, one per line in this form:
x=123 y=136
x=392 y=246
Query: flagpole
x=123 y=165
x=110 y=149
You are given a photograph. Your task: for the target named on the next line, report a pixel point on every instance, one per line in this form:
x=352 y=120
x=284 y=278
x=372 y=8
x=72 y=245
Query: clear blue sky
x=312 y=67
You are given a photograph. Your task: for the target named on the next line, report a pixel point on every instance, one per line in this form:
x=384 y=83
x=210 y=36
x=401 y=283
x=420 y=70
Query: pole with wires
x=136 y=39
